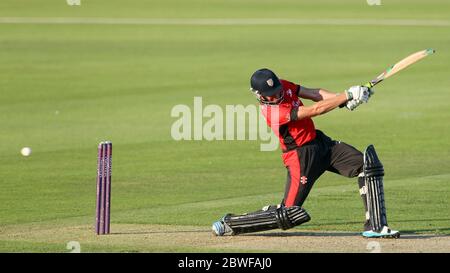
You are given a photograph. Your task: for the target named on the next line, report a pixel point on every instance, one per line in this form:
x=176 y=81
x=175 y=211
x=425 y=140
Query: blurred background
x=74 y=75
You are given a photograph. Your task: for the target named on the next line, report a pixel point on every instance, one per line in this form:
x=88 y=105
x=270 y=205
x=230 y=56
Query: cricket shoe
x=220 y=228
x=385 y=232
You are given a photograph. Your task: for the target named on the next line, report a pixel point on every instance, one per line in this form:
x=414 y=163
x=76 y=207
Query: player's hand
x=357 y=95
x=352 y=104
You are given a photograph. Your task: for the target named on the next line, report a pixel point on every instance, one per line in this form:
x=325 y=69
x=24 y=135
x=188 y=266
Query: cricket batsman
x=307 y=154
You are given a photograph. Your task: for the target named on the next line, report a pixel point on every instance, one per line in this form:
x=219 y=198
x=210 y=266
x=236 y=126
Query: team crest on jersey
x=296 y=103
x=289 y=92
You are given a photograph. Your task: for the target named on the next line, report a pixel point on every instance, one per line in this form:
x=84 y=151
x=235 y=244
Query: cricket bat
x=394 y=69
x=411 y=59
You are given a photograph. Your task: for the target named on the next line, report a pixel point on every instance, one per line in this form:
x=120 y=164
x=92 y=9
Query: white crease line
x=222 y=21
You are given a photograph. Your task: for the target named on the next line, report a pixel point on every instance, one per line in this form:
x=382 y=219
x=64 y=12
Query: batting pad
x=268 y=218
x=373 y=174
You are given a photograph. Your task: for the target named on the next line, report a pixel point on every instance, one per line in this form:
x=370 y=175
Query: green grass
x=416 y=9
x=64 y=88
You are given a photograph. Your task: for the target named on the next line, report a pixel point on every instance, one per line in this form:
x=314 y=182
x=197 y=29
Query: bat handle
x=369 y=85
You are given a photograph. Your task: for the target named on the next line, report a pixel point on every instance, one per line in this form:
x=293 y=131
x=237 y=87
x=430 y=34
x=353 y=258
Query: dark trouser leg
x=348 y=161
x=304 y=166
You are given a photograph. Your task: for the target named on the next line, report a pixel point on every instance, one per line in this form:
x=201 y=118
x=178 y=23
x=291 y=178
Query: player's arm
x=315 y=94
x=355 y=94
x=321 y=107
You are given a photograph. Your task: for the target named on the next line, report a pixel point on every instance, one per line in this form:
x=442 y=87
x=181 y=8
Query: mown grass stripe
x=223 y=21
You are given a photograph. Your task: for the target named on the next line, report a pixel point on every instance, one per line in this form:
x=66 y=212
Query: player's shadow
x=304 y=234
x=410 y=235
x=359 y=222
x=144 y=232
x=405 y=234
x=422 y=233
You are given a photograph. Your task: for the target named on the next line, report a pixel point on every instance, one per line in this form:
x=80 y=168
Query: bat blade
x=392 y=70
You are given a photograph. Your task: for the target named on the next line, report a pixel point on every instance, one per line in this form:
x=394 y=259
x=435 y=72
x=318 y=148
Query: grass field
x=65 y=86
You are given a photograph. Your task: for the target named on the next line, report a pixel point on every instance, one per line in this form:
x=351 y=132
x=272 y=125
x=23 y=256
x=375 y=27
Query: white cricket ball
x=26 y=151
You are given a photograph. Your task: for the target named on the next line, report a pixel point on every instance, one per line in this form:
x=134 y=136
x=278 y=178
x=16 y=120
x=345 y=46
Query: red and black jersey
x=307 y=152
x=282 y=118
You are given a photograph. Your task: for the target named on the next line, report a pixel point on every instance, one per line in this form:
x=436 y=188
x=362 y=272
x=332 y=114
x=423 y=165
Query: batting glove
x=357 y=95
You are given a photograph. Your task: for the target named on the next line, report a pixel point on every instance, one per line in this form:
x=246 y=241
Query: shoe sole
x=393 y=236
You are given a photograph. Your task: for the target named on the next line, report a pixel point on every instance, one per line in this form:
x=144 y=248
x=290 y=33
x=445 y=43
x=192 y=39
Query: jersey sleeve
x=295 y=88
